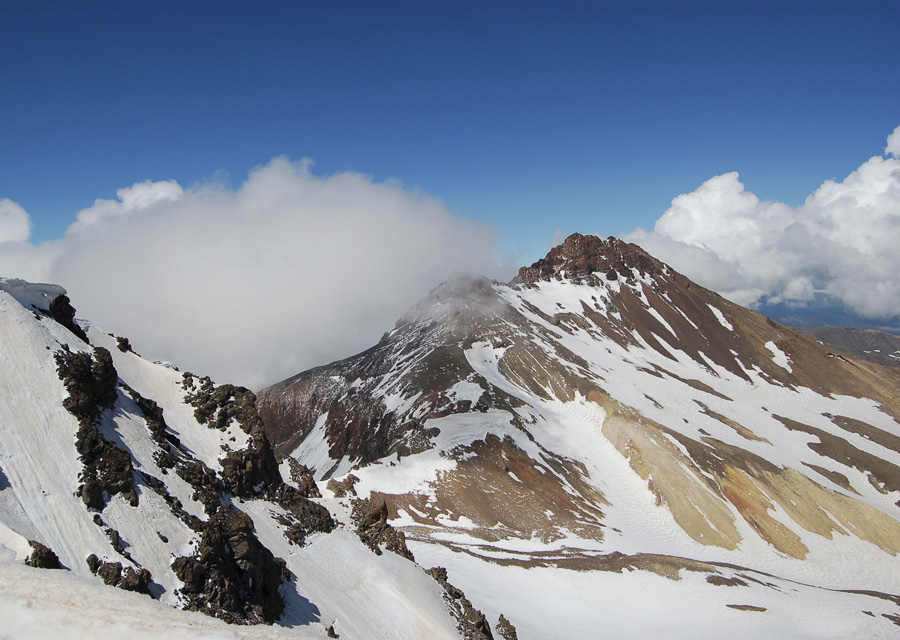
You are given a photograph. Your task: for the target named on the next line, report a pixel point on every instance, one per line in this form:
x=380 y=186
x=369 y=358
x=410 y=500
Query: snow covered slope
x=127 y=472
x=602 y=448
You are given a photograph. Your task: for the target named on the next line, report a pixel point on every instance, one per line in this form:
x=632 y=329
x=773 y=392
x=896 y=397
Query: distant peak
x=582 y=255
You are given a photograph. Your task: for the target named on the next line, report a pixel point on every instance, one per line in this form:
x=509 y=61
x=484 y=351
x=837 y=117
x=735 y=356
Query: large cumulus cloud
x=840 y=244
x=252 y=285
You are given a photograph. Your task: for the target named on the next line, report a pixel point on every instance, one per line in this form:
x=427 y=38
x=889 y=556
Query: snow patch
x=779 y=357
x=721 y=318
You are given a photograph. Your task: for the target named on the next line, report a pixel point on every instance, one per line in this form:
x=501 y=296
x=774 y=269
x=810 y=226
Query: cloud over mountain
x=250 y=285
x=841 y=243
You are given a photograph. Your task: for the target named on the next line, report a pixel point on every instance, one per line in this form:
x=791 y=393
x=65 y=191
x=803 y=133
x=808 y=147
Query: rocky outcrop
x=216 y=406
x=232 y=576
x=343 y=488
x=304 y=517
x=246 y=472
x=505 y=629
x=42 y=557
x=115 y=576
x=178 y=510
x=123 y=344
x=303 y=479
x=470 y=622
x=63 y=312
x=371 y=519
x=91 y=383
x=250 y=472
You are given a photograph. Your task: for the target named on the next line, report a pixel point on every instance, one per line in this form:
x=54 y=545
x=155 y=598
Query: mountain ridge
x=599 y=399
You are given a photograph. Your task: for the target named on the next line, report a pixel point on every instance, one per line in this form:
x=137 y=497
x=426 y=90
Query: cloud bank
x=841 y=243
x=289 y=271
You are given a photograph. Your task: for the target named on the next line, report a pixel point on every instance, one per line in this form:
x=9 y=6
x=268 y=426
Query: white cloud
x=290 y=271
x=139 y=196
x=893 y=144
x=15 y=224
x=842 y=241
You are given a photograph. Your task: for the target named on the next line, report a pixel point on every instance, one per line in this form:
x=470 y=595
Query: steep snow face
x=603 y=413
x=171 y=454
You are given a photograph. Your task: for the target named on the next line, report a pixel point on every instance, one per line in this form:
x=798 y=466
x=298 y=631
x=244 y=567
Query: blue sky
x=152 y=158
x=530 y=116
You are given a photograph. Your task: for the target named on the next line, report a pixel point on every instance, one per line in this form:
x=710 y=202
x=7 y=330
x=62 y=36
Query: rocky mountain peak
x=583 y=255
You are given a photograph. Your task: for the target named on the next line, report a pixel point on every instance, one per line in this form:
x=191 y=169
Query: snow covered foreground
x=335 y=580
x=47 y=604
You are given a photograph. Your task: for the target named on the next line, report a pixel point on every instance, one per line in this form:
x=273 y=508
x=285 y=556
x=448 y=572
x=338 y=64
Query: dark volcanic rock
x=169 y=445
x=114 y=576
x=306 y=517
x=215 y=406
x=371 y=519
x=123 y=345
x=63 y=312
x=91 y=383
x=232 y=576
x=208 y=488
x=249 y=471
x=157 y=485
x=42 y=557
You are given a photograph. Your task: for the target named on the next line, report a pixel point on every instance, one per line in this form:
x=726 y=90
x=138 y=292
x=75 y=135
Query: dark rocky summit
x=582 y=256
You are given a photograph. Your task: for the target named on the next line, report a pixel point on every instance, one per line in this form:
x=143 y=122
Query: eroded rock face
x=91 y=383
x=247 y=472
x=232 y=576
x=343 y=488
